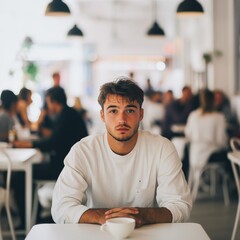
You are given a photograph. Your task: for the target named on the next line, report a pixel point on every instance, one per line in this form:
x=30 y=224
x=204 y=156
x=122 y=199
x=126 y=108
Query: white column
x=223 y=39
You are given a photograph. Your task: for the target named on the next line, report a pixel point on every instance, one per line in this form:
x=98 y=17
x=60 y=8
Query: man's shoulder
x=149 y=137
x=154 y=143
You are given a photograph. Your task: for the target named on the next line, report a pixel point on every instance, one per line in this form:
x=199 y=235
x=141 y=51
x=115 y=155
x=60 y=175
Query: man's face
x=121 y=117
x=52 y=106
x=186 y=94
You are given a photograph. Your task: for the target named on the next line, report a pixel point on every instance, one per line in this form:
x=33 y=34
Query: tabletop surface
x=19 y=154
x=169 y=231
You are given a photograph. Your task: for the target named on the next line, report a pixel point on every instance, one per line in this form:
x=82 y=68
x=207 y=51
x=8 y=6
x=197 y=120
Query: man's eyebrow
x=112 y=106
x=128 y=106
x=131 y=106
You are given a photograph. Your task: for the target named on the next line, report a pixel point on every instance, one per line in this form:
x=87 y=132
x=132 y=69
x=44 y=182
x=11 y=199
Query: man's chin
x=122 y=138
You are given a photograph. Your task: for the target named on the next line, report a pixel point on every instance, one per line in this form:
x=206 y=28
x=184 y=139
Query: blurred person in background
x=7 y=114
x=206 y=131
x=223 y=105
x=154 y=113
x=56 y=79
x=24 y=101
x=177 y=113
x=167 y=98
x=45 y=121
x=68 y=128
x=82 y=111
x=131 y=75
x=149 y=88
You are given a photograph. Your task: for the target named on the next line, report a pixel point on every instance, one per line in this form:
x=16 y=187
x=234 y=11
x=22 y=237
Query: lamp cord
x=154 y=4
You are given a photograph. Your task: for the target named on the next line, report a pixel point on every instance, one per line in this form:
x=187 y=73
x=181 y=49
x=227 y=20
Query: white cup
x=119 y=227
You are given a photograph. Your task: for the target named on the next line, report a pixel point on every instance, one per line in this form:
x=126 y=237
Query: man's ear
x=102 y=115
x=141 y=114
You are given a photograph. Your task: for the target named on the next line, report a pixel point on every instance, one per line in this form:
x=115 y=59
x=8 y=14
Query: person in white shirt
x=123 y=172
x=206 y=130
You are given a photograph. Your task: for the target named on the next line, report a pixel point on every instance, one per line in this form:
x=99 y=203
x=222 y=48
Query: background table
x=22 y=159
x=166 y=231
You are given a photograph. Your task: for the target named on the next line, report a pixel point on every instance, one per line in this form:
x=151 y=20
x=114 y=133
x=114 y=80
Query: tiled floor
x=216 y=218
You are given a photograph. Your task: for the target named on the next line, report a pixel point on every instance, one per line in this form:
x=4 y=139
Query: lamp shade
x=75 y=32
x=190 y=7
x=57 y=8
x=155 y=30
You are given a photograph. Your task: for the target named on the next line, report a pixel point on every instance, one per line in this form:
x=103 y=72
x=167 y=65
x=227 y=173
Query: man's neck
x=122 y=148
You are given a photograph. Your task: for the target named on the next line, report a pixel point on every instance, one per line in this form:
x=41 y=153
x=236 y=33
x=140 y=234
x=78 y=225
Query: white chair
x=5 y=196
x=43 y=194
x=235 y=161
x=235 y=143
x=194 y=180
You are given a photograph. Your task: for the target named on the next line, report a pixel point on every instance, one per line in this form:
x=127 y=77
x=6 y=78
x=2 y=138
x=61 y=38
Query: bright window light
x=160 y=66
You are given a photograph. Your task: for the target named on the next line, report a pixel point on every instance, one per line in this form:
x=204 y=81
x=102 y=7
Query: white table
x=169 y=231
x=22 y=160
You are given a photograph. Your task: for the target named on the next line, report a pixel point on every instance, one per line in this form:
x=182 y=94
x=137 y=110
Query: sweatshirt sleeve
x=69 y=196
x=173 y=192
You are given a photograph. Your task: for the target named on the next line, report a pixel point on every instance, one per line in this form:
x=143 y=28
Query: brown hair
x=206 y=100
x=24 y=93
x=124 y=87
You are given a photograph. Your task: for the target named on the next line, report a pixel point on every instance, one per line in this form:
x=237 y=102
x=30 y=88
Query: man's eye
x=113 y=111
x=130 y=111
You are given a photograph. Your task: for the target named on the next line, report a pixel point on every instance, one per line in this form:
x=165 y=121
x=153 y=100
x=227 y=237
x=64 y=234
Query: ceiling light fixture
x=189 y=8
x=75 y=32
x=57 y=8
x=155 y=29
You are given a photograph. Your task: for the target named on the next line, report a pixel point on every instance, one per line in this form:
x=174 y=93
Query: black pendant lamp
x=75 y=32
x=57 y=8
x=190 y=7
x=155 y=30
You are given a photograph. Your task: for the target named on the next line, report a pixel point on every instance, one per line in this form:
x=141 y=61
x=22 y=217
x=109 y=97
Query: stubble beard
x=124 y=139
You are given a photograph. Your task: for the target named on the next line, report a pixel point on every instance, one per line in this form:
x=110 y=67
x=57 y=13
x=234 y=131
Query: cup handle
x=103 y=227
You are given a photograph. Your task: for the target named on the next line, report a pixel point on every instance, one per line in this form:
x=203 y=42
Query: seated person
x=122 y=172
x=206 y=131
x=69 y=128
x=24 y=100
x=177 y=113
x=7 y=114
x=223 y=105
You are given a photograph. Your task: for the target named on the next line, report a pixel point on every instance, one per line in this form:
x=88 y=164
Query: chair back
x=9 y=171
x=235 y=146
x=234 y=157
x=235 y=143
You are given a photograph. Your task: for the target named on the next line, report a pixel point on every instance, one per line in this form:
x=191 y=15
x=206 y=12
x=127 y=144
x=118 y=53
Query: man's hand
x=125 y=212
x=94 y=215
x=142 y=216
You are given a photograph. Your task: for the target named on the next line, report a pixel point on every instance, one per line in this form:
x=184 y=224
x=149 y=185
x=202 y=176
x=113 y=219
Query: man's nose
x=122 y=118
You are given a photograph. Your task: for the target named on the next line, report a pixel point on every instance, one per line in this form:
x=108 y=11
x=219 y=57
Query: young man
x=122 y=172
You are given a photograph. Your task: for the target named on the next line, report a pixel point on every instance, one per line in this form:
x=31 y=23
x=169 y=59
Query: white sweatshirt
x=207 y=133
x=95 y=177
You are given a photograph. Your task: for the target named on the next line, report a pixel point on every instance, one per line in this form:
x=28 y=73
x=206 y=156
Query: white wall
x=223 y=32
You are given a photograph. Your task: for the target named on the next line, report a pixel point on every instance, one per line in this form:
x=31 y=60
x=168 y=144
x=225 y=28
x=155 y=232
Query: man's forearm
x=142 y=215
x=96 y=216
x=154 y=215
